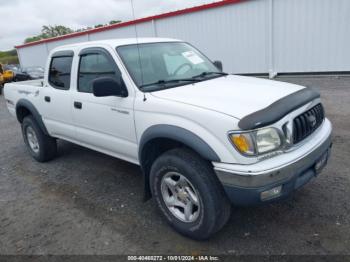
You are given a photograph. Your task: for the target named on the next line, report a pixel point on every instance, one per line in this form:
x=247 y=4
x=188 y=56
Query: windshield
x=155 y=66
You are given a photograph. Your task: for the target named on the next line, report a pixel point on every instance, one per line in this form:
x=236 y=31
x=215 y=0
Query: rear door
x=57 y=96
x=103 y=123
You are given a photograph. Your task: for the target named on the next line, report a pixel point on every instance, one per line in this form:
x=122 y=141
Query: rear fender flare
x=23 y=103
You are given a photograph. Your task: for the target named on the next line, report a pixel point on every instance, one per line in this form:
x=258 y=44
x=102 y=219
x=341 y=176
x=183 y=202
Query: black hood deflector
x=278 y=109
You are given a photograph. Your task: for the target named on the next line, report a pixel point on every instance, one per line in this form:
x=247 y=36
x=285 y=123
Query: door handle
x=47 y=99
x=78 y=105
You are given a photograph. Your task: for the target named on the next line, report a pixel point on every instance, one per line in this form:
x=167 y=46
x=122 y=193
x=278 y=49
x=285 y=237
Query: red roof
x=133 y=22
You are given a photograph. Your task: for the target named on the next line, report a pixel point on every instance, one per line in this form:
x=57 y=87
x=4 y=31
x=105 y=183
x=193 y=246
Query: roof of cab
x=115 y=42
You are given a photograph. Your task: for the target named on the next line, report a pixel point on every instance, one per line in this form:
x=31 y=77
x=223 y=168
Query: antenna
x=137 y=44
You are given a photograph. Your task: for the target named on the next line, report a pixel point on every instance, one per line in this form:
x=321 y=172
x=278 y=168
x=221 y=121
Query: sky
x=24 y=18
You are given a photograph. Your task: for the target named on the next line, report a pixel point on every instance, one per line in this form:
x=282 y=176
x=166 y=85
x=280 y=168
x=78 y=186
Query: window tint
x=94 y=66
x=59 y=75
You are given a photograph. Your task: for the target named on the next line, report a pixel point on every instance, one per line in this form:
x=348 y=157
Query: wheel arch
x=160 y=138
x=25 y=108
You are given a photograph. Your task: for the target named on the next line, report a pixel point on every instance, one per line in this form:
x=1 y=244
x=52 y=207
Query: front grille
x=306 y=123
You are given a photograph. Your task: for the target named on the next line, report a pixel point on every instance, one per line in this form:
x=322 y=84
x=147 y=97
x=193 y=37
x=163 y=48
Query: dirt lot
x=85 y=202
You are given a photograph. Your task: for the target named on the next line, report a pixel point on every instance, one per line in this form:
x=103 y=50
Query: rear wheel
x=42 y=147
x=188 y=193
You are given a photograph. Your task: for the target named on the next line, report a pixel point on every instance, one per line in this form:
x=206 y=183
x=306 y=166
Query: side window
x=59 y=74
x=95 y=65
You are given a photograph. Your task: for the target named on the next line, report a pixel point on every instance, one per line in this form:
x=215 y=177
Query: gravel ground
x=85 y=202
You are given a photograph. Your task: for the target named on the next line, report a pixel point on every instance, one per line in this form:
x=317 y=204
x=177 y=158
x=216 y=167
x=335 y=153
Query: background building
x=248 y=36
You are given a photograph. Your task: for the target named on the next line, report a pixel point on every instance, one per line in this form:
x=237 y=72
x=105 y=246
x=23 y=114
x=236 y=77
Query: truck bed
x=17 y=90
x=37 y=83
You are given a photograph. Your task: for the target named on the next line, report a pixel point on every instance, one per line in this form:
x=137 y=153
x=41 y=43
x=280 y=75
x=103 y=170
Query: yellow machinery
x=6 y=75
x=2 y=81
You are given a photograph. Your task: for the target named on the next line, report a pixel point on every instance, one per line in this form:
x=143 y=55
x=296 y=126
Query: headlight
x=256 y=142
x=267 y=140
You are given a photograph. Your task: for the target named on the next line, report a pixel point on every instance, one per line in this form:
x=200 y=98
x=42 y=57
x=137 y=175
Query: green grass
x=9 y=57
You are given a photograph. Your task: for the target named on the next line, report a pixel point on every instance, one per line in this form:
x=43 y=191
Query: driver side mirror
x=108 y=86
x=218 y=65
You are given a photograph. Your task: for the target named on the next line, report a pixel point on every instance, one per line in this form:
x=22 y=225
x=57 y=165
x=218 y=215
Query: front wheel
x=188 y=194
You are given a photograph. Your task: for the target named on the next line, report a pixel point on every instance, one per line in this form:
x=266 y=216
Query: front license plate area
x=321 y=162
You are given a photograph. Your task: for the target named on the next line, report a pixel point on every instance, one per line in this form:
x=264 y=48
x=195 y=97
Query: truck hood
x=233 y=95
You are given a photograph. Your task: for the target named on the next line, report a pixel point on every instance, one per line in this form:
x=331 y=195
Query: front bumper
x=246 y=189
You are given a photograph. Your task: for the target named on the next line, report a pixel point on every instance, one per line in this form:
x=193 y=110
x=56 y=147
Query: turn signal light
x=243 y=143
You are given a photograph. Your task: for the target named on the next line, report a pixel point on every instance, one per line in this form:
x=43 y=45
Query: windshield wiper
x=210 y=73
x=163 y=82
x=195 y=78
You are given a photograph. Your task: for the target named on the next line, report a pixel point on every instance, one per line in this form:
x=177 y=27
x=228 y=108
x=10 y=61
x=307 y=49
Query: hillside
x=9 y=57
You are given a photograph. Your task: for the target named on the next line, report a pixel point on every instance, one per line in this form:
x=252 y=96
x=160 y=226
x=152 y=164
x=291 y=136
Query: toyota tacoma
x=204 y=139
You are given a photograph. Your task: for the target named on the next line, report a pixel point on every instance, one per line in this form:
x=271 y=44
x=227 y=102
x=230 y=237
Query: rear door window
x=60 y=72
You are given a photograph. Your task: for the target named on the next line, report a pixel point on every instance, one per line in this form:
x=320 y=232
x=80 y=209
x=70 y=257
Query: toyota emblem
x=312 y=120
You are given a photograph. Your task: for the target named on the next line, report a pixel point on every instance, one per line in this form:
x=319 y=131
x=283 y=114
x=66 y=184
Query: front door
x=103 y=123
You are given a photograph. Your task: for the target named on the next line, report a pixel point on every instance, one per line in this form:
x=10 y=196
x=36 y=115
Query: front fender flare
x=175 y=133
x=179 y=134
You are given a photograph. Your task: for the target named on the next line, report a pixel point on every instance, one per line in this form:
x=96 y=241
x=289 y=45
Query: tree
x=114 y=22
x=48 y=31
x=53 y=31
x=32 y=39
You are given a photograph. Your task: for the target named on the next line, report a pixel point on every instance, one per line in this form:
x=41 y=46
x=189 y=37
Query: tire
x=46 y=147
x=213 y=209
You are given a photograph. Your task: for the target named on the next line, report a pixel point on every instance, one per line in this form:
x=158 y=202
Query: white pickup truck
x=204 y=139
